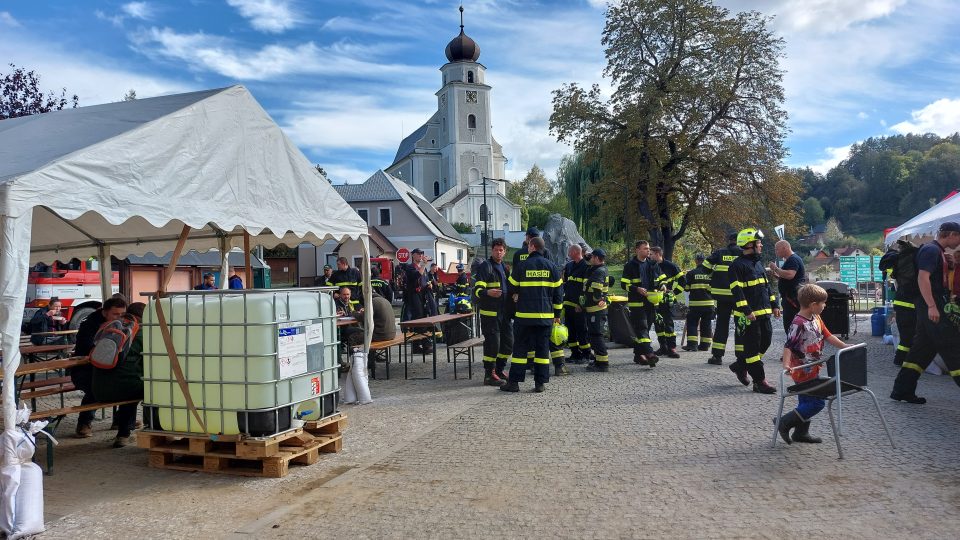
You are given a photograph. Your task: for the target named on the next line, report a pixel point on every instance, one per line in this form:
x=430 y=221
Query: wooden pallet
x=268 y=457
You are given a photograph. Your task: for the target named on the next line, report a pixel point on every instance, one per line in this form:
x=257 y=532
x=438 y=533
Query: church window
x=469 y=76
x=436 y=189
x=472 y=122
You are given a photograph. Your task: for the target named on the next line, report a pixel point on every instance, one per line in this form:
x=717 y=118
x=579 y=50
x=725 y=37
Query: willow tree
x=694 y=123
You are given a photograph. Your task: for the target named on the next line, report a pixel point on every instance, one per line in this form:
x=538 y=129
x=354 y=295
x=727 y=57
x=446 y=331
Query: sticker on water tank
x=314 y=334
x=315 y=386
x=292 y=351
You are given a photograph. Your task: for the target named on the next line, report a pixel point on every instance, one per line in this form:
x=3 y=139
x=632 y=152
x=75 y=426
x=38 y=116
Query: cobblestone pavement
x=679 y=451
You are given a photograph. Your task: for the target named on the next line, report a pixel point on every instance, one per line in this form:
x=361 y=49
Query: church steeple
x=462 y=48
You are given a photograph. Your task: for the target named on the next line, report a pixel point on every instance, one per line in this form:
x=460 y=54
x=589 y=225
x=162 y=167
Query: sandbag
x=29 y=505
x=356 y=388
x=21 y=481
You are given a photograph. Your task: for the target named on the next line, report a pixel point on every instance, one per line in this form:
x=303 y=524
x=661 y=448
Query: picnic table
x=427 y=327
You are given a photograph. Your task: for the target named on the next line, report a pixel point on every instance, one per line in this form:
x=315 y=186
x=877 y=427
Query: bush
x=538 y=217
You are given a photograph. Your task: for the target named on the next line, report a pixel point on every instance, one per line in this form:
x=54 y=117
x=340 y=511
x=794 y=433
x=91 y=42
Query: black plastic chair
x=851 y=364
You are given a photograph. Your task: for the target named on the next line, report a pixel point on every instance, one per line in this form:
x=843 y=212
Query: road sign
x=403 y=255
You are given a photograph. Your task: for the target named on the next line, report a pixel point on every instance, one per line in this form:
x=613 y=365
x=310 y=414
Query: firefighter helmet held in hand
x=559 y=335
x=746 y=236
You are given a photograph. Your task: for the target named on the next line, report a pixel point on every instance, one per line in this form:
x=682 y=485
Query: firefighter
x=593 y=304
x=663 y=321
x=573 y=277
x=638 y=278
x=938 y=317
x=380 y=285
x=536 y=289
x=717 y=264
x=462 y=286
x=700 y=307
x=904 y=306
x=345 y=276
x=490 y=294
x=753 y=305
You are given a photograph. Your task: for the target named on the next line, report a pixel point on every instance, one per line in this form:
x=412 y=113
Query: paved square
x=679 y=451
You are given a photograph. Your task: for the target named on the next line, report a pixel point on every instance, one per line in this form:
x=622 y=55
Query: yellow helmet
x=746 y=236
x=559 y=334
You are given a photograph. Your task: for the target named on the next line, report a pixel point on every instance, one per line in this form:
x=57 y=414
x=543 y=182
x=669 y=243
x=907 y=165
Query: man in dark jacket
x=663 y=322
x=535 y=286
x=345 y=276
x=593 y=304
x=754 y=303
x=717 y=264
x=82 y=376
x=380 y=285
x=639 y=276
x=574 y=274
x=700 y=307
x=490 y=295
x=124 y=382
x=48 y=319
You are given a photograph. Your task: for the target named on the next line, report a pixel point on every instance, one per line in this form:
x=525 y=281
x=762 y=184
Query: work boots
x=539 y=388
x=905 y=387
x=672 y=353
x=760 y=386
x=704 y=347
x=715 y=360
x=560 y=370
x=510 y=387
x=652 y=360
x=788 y=422
x=740 y=371
x=690 y=347
x=802 y=434
x=491 y=379
x=599 y=367
x=639 y=358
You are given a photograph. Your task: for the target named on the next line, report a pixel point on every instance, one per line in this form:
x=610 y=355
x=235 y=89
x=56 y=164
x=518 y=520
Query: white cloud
x=834 y=156
x=862 y=115
x=941 y=117
x=346 y=174
x=220 y=55
x=272 y=16
x=138 y=10
x=6 y=19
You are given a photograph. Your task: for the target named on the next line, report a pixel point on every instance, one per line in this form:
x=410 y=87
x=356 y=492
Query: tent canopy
x=124 y=178
x=926 y=223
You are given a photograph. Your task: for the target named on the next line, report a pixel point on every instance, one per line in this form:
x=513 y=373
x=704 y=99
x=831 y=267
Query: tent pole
x=246 y=259
x=224 y=244
x=367 y=294
x=106 y=271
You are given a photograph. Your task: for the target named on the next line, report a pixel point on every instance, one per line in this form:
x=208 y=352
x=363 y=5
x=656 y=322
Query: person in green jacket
x=124 y=382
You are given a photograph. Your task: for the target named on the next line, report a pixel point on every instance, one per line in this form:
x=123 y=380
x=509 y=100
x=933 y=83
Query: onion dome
x=462 y=48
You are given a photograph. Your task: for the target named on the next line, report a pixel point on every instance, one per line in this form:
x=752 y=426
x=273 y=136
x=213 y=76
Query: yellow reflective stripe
x=755 y=282
x=955 y=373
x=901 y=303
x=701 y=303
x=765 y=311
x=706 y=340
x=641 y=340
x=697 y=286
x=718 y=345
x=551 y=284
x=741 y=303
x=579 y=279
x=634 y=304
x=903 y=348
x=594 y=309
x=479 y=283
x=602 y=359
x=541 y=361
x=486 y=313
x=503 y=356
x=569 y=303
x=522 y=315
x=721 y=292
x=738 y=348
x=556 y=354
x=736 y=284
x=558 y=307
x=512 y=281
x=773 y=298
x=518 y=361
x=721 y=268
x=753 y=359
x=911 y=365
x=625 y=280
x=489 y=359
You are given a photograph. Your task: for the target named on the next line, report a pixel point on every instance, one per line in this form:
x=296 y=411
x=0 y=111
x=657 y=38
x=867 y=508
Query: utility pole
x=485 y=216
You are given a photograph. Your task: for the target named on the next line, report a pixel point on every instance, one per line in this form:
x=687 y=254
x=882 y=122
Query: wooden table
x=57 y=333
x=346 y=321
x=427 y=326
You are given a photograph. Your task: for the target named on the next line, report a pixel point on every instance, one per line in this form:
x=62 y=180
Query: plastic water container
x=878 y=321
x=250 y=359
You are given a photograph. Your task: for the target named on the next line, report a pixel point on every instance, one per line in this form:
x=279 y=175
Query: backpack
x=112 y=342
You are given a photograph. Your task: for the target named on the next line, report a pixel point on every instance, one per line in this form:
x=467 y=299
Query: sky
x=347 y=79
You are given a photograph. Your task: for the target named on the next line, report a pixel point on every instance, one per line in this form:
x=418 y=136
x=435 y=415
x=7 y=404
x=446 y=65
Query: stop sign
x=403 y=255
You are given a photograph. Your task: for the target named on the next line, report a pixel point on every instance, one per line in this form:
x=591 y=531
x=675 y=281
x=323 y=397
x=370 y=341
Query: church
x=453 y=157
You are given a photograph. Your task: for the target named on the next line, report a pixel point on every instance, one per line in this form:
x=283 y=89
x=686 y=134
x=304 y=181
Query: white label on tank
x=314 y=334
x=292 y=351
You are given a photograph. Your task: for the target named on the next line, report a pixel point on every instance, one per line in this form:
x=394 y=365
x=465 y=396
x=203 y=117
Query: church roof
x=409 y=143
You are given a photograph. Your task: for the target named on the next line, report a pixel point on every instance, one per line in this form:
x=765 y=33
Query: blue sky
x=347 y=79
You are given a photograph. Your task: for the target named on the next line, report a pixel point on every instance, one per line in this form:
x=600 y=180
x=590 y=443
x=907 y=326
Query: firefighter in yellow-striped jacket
x=536 y=287
x=574 y=275
x=593 y=303
x=494 y=306
x=700 y=308
x=718 y=263
x=754 y=304
x=667 y=281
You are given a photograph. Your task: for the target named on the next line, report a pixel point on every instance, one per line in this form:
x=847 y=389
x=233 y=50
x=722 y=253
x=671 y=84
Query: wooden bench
x=464 y=348
x=381 y=350
x=57 y=415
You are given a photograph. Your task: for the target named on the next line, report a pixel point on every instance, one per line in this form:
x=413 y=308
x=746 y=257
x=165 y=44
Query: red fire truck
x=76 y=285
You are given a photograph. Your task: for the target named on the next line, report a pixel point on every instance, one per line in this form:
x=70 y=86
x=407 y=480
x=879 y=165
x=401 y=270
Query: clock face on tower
x=471 y=96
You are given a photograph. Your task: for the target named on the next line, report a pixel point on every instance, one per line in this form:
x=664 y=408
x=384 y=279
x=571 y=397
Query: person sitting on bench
x=82 y=376
x=124 y=382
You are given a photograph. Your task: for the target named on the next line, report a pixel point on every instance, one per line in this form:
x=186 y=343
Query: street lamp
x=485 y=217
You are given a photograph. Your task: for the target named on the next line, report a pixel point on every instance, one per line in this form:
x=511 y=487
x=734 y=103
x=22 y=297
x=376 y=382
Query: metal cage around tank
x=253 y=360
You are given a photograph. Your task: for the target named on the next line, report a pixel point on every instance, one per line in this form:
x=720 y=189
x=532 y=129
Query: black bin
x=836 y=314
x=618 y=319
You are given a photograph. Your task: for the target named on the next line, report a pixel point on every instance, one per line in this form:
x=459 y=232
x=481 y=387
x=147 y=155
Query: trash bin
x=618 y=318
x=878 y=321
x=836 y=314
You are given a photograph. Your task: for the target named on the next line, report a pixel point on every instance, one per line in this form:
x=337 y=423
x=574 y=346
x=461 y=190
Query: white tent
x=126 y=178
x=925 y=224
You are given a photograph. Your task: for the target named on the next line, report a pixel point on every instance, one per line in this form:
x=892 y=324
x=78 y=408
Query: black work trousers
x=666 y=330
x=722 y=330
x=641 y=317
x=578 y=341
x=751 y=340
x=596 y=324
x=930 y=339
x=907 y=326
x=497 y=341
x=535 y=339
x=699 y=327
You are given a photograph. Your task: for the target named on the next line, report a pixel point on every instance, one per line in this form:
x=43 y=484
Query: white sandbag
x=29 y=504
x=356 y=387
x=349 y=394
x=9 y=484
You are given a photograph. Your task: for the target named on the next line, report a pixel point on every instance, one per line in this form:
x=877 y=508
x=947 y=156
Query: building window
x=385 y=216
x=443 y=261
x=358 y=262
x=364 y=214
x=436 y=189
x=469 y=76
x=459 y=255
x=472 y=121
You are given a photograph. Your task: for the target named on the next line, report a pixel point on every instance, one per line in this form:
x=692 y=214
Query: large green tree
x=694 y=123
x=534 y=190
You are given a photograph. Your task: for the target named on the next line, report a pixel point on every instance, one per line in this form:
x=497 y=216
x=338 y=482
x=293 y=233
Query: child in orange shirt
x=805 y=341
